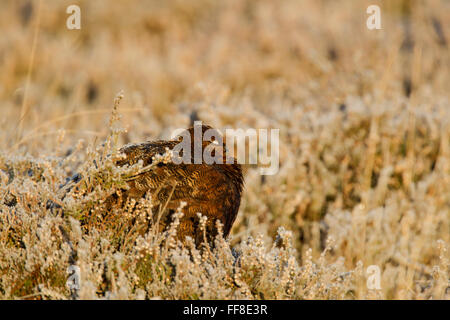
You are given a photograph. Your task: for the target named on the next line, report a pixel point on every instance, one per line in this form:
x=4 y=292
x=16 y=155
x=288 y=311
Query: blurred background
x=239 y=63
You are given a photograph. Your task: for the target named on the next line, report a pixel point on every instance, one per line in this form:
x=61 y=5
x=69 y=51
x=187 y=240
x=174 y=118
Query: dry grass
x=364 y=158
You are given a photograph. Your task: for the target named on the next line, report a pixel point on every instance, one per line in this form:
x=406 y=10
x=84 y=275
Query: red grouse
x=214 y=189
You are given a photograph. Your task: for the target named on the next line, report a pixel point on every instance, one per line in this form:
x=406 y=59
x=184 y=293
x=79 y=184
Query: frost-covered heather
x=364 y=119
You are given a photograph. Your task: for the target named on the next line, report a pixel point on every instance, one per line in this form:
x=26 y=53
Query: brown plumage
x=214 y=190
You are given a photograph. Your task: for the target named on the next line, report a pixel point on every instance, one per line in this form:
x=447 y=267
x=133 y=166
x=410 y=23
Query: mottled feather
x=214 y=190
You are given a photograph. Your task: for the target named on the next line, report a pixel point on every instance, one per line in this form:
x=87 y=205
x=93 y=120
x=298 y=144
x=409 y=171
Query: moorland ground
x=364 y=175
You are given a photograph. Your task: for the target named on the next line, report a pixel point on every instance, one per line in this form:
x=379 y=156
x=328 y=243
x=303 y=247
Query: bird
x=212 y=189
